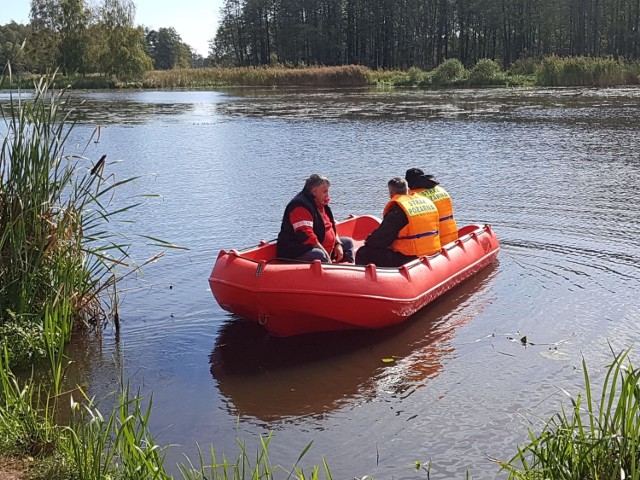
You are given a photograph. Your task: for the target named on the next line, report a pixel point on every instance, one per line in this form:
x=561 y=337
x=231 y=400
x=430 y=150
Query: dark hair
x=398 y=186
x=417 y=179
x=315 y=180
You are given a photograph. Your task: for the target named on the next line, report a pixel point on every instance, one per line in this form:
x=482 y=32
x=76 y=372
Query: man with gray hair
x=308 y=230
x=409 y=229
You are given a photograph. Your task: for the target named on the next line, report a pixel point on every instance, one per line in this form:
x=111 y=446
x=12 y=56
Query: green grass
x=594 y=438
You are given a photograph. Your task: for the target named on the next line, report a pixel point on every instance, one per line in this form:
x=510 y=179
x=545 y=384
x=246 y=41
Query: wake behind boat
x=293 y=298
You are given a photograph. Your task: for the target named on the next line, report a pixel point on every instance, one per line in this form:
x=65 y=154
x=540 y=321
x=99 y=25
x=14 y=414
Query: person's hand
x=338 y=252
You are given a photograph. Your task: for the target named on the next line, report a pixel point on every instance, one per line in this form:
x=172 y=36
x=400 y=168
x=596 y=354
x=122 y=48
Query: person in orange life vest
x=409 y=229
x=308 y=230
x=426 y=185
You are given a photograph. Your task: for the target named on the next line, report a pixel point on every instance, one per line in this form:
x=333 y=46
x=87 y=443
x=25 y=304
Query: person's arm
x=387 y=233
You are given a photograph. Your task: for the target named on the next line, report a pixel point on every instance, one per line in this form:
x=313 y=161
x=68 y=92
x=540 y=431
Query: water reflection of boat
x=295 y=298
x=272 y=378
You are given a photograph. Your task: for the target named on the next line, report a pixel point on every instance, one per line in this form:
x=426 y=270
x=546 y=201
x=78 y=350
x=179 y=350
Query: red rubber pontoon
x=291 y=298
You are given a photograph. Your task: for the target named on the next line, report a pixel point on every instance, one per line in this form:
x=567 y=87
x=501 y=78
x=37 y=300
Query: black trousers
x=381 y=257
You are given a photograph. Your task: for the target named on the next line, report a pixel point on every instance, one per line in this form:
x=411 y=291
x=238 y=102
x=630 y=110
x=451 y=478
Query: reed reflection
x=280 y=379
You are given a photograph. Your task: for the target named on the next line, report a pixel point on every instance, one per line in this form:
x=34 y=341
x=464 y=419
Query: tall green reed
x=256 y=466
x=26 y=421
x=58 y=257
x=591 y=440
x=117 y=446
x=583 y=71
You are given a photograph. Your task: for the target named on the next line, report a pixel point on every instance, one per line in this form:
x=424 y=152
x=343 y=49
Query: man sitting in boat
x=427 y=185
x=308 y=230
x=409 y=229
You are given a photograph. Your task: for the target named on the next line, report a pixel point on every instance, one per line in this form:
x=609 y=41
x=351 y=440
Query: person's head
x=417 y=179
x=318 y=187
x=397 y=186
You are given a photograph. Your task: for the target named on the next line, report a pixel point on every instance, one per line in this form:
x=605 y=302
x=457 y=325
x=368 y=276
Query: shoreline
x=547 y=72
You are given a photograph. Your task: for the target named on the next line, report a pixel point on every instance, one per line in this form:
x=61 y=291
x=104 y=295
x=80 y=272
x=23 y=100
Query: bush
x=448 y=72
x=524 y=66
x=486 y=72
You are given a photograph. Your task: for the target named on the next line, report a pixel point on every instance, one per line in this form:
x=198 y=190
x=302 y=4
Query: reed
x=583 y=71
x=597 y=440
x=347 y=76
x=26 y=422
x=119 y=445
x=58 y=259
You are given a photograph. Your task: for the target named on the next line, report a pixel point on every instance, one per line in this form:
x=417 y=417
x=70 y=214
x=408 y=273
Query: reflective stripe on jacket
x=439 y=196
x=420 y=236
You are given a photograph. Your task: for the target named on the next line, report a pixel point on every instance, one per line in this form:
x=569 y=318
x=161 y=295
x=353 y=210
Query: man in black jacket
x=308 y=230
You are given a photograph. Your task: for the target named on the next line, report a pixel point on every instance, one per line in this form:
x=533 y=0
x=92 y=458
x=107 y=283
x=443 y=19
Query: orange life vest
x=420 y=236
x=442 y=200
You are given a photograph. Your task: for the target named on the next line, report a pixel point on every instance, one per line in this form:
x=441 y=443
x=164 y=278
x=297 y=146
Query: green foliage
x=487 y=72
x=524 y=66
x=350 y=76
x=57 y=261
x=121 y=49
x=26 y=425
x=73 y=33
x=26 y=337
x=412 y=77
x=593 y=439
x=448 y=72
x=118 y=446
x=12 y=36
x=400 y=35
x=167 y=49
x=121 y=53
x=66 y=35
x=581 y=71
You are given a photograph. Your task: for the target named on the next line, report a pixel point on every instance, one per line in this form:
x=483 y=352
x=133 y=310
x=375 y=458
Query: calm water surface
x=555 y=172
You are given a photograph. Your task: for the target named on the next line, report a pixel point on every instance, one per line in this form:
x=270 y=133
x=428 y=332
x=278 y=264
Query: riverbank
x=13 y=468
x=549 y=71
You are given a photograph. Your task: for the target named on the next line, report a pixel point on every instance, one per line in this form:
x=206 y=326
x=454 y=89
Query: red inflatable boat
x=292 y=298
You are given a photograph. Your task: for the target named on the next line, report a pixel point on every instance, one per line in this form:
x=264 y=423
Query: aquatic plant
x=58 y=253
x=591 y=439
x=448 y=72
x=346 y=76
x=26 y=424
x=486 y=72
x=582 y=71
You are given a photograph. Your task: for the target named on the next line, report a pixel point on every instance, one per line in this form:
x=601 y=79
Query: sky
x=194 y=20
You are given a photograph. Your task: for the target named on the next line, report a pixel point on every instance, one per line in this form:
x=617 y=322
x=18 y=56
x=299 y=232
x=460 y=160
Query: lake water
x=555 y=172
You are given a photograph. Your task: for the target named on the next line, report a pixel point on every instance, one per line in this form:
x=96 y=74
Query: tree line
x=99 y=39
x=103 y=39
x=422 y=33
